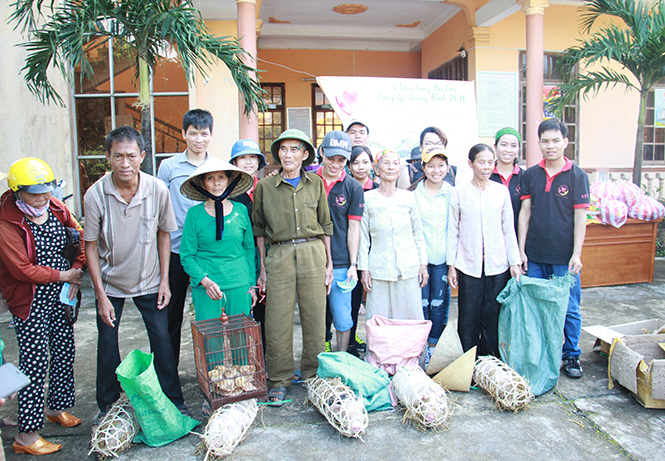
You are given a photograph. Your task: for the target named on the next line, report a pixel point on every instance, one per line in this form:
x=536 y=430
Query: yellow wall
x=27 y=127
x=442 y=45
x=331 y=62
x=218 y=94
x=607 y=123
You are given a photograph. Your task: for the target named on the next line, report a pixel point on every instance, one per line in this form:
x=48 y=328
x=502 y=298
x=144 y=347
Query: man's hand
x=452 y=276
x=329 y=277
x=525 y=263
x=366 y=279
x=352 y=273
x=515 y=272
x=423 y=275
x=262 y=280
x=105 y=310
x=163 y=295
x=575 y=265
x=212 y=289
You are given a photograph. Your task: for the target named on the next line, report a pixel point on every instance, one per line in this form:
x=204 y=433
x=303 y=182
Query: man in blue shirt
x=197 y=132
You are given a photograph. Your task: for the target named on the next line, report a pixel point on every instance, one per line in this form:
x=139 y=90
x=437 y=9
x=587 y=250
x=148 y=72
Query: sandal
x=297 y=377
x=276 y=396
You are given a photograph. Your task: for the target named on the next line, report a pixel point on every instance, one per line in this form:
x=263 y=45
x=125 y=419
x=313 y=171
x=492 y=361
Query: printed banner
x=659 y=107
x=396 y=110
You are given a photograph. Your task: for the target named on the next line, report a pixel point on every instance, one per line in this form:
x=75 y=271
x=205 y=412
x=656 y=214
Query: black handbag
x=70 y=252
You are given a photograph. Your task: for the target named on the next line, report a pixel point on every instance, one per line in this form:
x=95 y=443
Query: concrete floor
x=579 y=420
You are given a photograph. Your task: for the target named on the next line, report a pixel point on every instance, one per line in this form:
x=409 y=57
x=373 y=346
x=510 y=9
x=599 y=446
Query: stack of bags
x=619 y=202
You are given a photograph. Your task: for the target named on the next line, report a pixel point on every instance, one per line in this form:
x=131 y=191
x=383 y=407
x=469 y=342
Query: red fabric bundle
x=614 y=213
x=647 y=210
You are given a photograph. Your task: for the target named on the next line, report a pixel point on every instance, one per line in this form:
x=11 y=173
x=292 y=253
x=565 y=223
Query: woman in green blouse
x=217 y=247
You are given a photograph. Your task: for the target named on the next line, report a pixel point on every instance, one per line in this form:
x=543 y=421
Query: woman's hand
x=423 y=275
x=212 y=289
x=452 y=276
x=366 y=279
x=71 y=276
x=516 y=271
x=73 y=290
x=255 y=298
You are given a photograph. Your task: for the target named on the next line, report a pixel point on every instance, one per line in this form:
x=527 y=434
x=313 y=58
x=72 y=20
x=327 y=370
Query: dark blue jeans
x=108 y=352
x=573 y=326
x=436 y=300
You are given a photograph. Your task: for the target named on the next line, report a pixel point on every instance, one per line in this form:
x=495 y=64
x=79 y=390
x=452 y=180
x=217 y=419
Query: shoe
x=353 y=350
x=206 y=409
x=360 y=344
x=65 y=419
x=40 y=447
x=328 y=347
x=572 y=368
x=99 y=418
x=428 y=356
x=185 y=411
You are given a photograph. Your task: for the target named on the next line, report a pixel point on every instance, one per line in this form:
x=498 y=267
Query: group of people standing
x=316 y=238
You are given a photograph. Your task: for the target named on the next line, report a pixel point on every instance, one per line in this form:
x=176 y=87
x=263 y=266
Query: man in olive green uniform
x=291 y=216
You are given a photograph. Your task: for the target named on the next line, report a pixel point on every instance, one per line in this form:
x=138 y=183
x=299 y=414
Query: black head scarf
x=219 y=211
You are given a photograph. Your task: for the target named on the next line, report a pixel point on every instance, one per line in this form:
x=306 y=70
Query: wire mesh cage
x=229 y=359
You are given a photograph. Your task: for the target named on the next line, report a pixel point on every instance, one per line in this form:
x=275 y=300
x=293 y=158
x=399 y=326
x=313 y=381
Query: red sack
x=393 y=343
x=605 y=190
x=647 y=210
x=630 y=194
x=614 y=213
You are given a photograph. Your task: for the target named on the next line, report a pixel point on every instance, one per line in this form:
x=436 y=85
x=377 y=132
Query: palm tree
x=147 y=27
x=636 y=41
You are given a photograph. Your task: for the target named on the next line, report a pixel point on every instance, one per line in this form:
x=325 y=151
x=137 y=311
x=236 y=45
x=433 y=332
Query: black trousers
x=108 y=352
x=478 y=318
x=178 y=282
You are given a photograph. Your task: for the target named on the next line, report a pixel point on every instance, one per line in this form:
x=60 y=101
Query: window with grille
x=455 y=69
x=654 y=136
x=108 y=99
x=272 y=121
x=323 y=116
x=570 y=113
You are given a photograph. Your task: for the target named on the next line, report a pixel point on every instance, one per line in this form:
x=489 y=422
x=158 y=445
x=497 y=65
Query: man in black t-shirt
x=552 y=225
x=345 y=200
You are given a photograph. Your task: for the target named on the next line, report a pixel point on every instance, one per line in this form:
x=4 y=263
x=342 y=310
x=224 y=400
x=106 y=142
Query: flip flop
x=278 y=394
x=297 y=377
x=7 y=422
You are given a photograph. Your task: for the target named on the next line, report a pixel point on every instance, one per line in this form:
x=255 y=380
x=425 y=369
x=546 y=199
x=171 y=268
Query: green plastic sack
x=160 y=420
x=369 y=381
x=531 y=323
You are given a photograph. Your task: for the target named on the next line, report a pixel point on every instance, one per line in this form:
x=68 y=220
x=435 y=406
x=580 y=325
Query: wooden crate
x=620 y=256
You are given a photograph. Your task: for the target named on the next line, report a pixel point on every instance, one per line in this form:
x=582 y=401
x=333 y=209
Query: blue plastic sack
x=531 y=324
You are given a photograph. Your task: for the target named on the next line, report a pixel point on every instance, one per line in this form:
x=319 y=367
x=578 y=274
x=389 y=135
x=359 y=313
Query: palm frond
x=589 y=83
x=145 y=26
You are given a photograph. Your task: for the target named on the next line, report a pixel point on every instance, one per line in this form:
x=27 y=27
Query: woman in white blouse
x=482 y=251
x=392 y=254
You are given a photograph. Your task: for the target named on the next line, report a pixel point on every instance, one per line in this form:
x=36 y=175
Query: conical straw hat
x=448 y=349
x=457 y=376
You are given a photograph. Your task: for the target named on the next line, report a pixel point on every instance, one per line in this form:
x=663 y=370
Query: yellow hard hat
x=31 y=175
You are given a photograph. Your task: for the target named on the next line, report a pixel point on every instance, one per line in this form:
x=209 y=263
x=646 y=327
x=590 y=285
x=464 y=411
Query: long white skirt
x=395 y=300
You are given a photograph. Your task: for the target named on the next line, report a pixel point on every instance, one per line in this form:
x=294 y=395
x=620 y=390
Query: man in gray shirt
x=128 y=218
